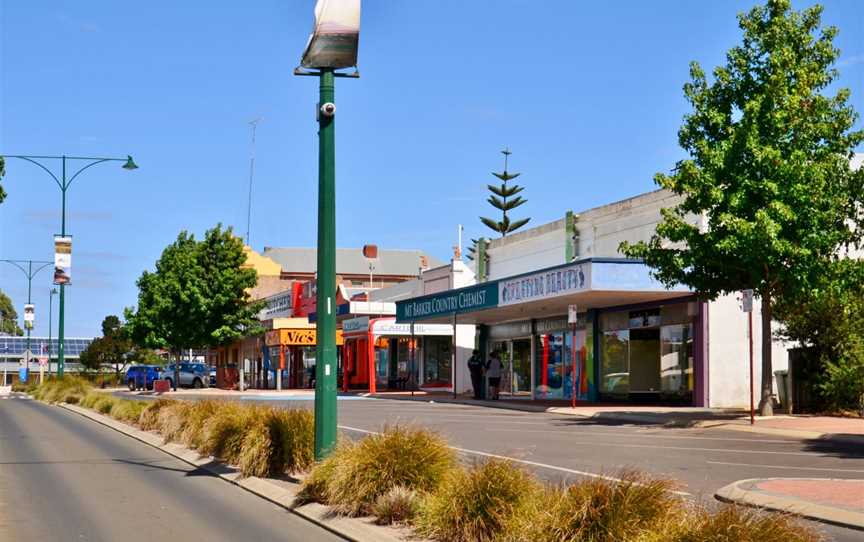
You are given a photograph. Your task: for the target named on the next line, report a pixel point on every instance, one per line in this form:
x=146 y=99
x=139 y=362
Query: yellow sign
x=296 y=337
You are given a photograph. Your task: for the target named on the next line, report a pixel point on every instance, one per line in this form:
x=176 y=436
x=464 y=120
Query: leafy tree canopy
x=197 y=296
x=8 y=317
x=768 y=168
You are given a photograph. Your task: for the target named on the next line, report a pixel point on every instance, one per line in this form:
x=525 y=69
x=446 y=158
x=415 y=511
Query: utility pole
x=51 y=295
x=254 y=124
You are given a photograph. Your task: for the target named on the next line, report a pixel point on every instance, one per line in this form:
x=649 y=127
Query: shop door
x=520 y=383
x=645 y=362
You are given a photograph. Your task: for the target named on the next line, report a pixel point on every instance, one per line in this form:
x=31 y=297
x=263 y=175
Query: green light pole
x=51 y=295
x=63 y=182
x=29 y=273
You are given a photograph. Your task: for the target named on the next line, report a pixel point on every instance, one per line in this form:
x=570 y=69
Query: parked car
x=141 y=377
x=194 y=375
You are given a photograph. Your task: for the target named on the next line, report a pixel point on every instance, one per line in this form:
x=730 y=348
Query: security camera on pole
x=332 y=46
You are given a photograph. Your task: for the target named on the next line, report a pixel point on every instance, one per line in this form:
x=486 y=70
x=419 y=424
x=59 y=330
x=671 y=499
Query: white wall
x=728 y=354
x=526 y=251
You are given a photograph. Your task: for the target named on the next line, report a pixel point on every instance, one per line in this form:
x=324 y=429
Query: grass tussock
x=314 y=488
x=127 y=410
x=632 y=508
x=55 y=390
x=478 y=504
x=413 y=458
x=197 y=415
x=223 y=434
x=399 y=505
x=149 y=418
x=171 y=420
x=732 y=523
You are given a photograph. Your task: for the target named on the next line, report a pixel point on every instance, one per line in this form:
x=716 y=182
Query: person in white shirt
x=493 y=371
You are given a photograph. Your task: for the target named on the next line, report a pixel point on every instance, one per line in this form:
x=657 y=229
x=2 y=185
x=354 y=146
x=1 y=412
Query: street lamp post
x=333 y=45
x=63 y=182
x=51 y=295
x=29 y=273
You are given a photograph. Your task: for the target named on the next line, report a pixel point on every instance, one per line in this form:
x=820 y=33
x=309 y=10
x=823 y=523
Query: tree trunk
x=766 y=407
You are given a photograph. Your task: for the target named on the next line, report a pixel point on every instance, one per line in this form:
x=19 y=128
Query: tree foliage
x=197 y=296
x=768 y=168
x=112 y=348
x=829 y=320
x=505 y=198
x=8 y=317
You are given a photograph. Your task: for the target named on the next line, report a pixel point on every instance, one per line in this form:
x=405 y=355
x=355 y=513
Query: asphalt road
x=66 y=478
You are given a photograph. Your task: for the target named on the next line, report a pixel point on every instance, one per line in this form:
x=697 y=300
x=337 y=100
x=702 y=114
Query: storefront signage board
x=278 y=306
x=469 y=299
x=389 y=327
x=545 y=284
x=356 y=325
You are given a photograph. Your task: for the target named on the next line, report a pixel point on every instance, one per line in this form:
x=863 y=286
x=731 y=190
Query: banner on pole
x=62 y=260
x=333 y=43
x=572 y=314
x=29 y=315
x=747 y=300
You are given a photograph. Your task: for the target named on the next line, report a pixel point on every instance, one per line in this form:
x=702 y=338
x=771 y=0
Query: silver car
x=192 y=375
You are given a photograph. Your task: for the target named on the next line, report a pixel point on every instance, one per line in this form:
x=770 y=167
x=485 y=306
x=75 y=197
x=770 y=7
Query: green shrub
x=72 y=398
x=149 y=418
x=732 y=523
x=602 y=510
x=104 y=403
x=479 y=504
x=841 y=386
x=399 y=505
x=412 y=458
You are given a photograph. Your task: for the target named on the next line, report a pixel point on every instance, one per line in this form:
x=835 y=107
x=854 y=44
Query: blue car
x=141 y=377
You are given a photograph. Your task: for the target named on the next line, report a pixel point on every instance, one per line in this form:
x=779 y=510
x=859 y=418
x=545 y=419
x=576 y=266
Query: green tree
x=768 y=168
x=829 y=320
x=197 y=297
x=8 y=317
x=499 y=200
x=113 y=348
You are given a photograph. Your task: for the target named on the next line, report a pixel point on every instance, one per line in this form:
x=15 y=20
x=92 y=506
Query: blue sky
x=586 y=94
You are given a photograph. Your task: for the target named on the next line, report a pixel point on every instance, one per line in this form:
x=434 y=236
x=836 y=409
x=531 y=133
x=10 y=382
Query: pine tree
x=499 y=200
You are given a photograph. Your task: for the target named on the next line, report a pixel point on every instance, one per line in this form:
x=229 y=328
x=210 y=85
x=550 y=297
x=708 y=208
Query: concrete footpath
x=838 y=502
x=281 y=492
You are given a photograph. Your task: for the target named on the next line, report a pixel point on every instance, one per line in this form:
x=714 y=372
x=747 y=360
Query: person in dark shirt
x=475 y=367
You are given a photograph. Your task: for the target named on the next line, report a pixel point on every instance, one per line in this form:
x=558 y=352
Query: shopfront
x=292 y=355
x=400 y=356
x=633 y=341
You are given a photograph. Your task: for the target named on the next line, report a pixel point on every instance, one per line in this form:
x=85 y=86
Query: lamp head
x=130 y=164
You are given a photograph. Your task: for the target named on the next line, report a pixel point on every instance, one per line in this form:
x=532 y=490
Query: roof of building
x=350 y=261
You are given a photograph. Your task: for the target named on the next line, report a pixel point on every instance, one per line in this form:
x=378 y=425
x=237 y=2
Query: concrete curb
x=279 y=492
x=735 y=493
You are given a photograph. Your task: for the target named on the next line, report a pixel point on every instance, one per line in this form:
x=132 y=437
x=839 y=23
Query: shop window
x=437 y=369
x=551 y=374
x=615 y=362
x=676 y=359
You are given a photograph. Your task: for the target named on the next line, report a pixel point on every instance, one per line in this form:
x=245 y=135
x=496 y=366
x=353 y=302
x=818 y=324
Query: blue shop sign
x=468 y=299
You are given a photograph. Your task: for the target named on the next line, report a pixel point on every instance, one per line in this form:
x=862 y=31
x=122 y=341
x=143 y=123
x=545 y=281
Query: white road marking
x=641 y=434
x=781 y=467
x=523 y=461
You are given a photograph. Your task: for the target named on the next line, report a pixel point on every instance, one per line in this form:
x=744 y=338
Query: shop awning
x=590 y=284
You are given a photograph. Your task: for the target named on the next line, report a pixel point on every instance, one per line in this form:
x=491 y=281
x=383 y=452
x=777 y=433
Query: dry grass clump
x=478 y=504
x=733 y=523
x=171 y=420
x=631 y=508
x=127 y=410
x=292 y=432
x=399 y=505
x=223 y=433
x=197 y=415
x=314 y=488
x=256 y=451
x=149 y=418
x=413 y=458
x=55 y=390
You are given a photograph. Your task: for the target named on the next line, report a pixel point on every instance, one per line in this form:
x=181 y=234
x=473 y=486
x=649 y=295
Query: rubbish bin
x=783 y=393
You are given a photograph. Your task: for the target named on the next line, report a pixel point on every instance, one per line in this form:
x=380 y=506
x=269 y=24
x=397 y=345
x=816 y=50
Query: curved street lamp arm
x=32 y=161
x=40 y=268
x=91 y=164
x=23 y=270
x=13 y=262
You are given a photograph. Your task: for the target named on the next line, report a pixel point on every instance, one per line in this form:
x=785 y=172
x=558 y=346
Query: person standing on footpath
x=493 y=371
x=475 y=367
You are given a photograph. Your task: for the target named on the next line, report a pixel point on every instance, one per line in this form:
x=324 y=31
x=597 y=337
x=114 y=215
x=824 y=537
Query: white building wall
x=526 y=251
x=728 y=354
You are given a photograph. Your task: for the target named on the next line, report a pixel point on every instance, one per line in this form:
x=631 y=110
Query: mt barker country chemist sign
x=544 y=284
x=472 y=298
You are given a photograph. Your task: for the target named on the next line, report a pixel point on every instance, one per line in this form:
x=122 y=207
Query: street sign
x=43 y=362
x=572 y=314
x=747 y=300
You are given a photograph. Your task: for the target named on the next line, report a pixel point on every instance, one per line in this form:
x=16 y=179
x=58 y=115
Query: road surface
x=66 y=478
